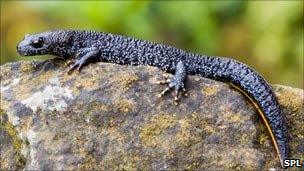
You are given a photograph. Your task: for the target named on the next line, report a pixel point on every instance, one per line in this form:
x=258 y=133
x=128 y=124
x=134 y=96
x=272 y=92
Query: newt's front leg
x=177 y=81
x=84 y=57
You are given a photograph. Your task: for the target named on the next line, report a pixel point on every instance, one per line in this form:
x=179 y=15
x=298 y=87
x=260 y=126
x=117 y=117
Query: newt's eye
x=38 y=43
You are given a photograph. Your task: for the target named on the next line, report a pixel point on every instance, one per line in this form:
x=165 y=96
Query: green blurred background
x=267 y=35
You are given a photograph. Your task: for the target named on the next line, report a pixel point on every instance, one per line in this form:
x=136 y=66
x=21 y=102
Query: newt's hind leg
x=177 y=82
x=84 y=57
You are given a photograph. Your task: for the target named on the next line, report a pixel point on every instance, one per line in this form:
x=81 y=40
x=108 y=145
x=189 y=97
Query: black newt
x=88 y=46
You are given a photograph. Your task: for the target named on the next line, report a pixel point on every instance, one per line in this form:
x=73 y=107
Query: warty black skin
x=88 y=46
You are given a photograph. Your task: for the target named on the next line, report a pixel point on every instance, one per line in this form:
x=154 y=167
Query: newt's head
x=38 y=44
x=49 y=42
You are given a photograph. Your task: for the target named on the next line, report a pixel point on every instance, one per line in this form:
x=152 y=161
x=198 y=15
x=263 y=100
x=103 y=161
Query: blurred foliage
x=267 y=35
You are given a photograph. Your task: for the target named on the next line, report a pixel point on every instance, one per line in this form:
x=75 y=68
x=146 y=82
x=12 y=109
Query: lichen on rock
x=108 y=117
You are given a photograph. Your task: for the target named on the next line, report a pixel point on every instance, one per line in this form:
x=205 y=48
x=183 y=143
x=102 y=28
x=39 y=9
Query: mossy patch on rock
x=151 y=133
x=11 y=145
x=123 y=80
x=210 y=90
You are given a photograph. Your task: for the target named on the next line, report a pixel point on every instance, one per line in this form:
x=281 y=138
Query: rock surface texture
x=109 y=117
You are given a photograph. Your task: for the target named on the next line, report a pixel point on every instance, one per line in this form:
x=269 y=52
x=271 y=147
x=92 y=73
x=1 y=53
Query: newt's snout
x=21 y=50
x=24 y=47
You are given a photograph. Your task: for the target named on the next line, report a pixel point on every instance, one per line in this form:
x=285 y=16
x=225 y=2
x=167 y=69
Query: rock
x=109 y=117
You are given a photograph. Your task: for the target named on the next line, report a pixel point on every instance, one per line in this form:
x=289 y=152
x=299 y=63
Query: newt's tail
x=257 y=90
